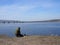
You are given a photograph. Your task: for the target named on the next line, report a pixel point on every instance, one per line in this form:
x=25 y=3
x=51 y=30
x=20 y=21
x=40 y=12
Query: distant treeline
x=12 y=21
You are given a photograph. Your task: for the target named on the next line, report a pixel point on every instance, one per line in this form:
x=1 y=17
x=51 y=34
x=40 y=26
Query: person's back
x=18 y=33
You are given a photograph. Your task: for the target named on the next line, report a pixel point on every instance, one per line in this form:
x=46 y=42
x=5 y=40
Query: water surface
x=43 y=28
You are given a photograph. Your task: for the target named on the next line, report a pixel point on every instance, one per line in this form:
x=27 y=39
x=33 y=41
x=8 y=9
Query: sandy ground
x=30 y=40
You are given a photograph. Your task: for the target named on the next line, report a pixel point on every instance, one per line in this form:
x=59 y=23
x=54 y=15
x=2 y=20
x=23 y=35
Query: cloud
x=26 y=4
x=13 y=11
x=15 y=8
x=19 y=9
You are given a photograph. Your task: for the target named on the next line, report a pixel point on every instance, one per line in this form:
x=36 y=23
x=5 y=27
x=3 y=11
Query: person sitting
x=18 y=33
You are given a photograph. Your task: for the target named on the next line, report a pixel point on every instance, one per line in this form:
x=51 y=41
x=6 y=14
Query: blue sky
x=29 y=10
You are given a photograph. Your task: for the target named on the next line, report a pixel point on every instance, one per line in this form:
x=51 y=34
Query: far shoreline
x=14 y=21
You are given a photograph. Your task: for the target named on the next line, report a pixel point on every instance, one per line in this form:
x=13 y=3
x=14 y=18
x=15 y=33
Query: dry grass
x=31 y=40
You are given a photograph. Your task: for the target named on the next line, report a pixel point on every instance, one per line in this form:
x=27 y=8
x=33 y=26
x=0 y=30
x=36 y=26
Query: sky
x=29 y=10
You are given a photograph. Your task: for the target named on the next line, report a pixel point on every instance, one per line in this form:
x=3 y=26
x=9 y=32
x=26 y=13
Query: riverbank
x=30 y=40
